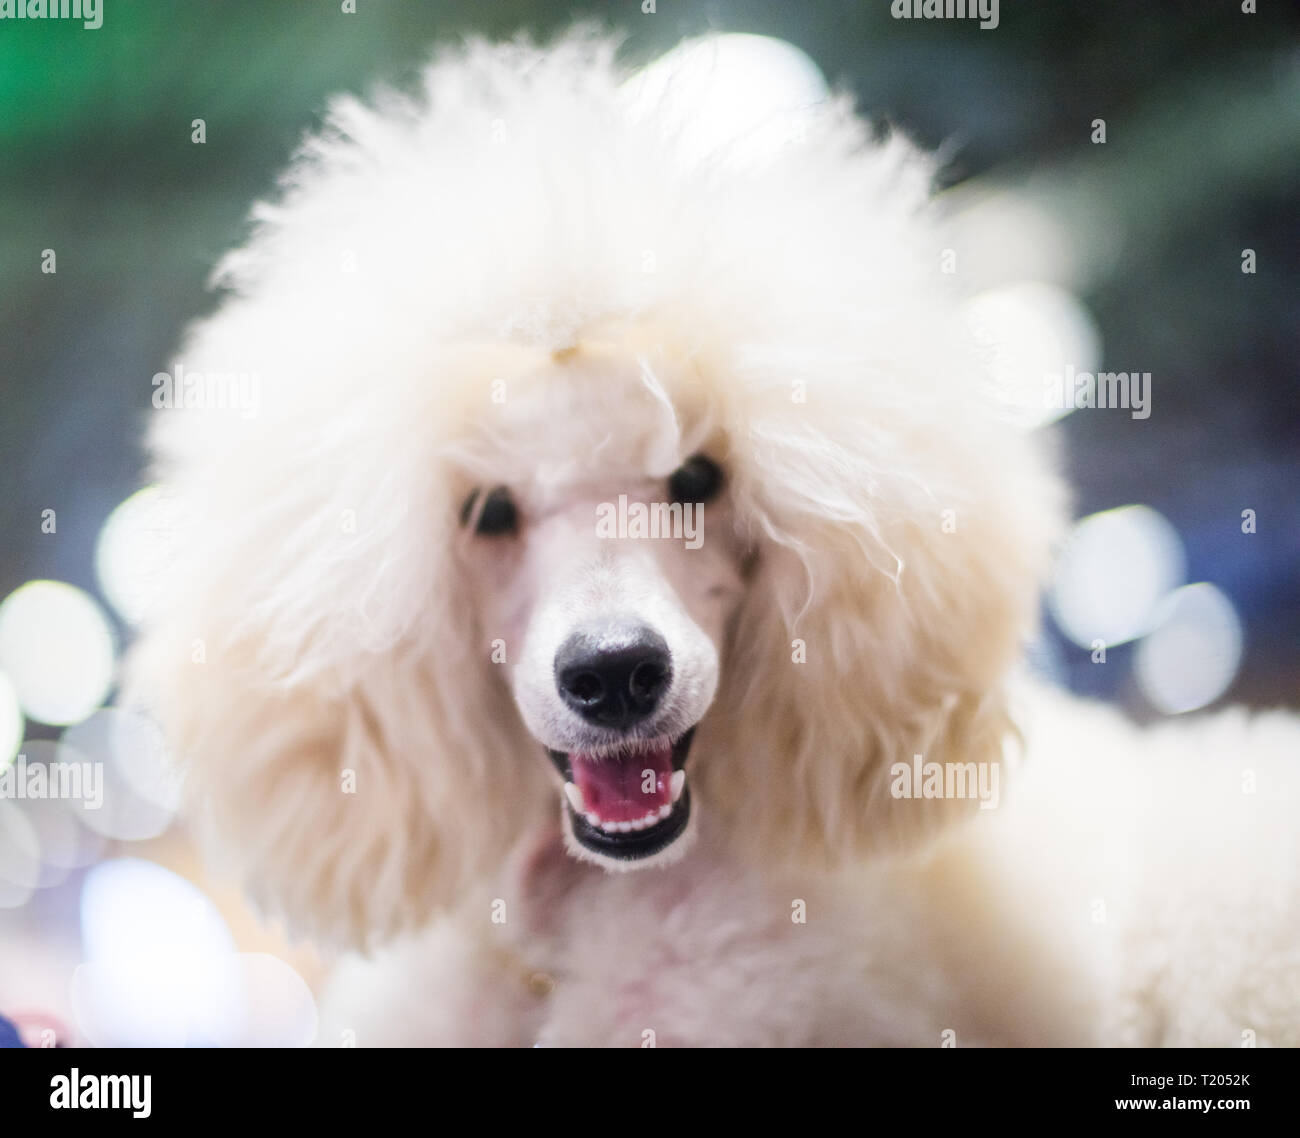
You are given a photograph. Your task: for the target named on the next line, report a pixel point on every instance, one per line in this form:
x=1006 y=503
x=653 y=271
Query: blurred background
x=1169 y=248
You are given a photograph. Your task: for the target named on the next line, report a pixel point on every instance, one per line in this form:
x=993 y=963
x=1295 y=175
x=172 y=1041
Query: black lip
x=635 y=844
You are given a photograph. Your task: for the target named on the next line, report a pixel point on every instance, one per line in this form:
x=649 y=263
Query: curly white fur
x=507 y=278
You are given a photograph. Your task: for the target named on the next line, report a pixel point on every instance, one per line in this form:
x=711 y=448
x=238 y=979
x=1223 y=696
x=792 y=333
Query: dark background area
x=1202 y=102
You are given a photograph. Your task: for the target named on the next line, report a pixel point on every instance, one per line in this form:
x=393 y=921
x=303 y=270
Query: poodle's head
x=589 y=481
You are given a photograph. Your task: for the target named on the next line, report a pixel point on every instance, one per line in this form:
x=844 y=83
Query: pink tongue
x=624 y=788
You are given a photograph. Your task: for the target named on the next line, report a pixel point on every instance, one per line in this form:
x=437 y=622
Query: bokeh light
x=159 y=960
x=748 y=94
x=1004 y=235
x=20 y=856
x=141 y=787
x=133 y=550
x=1026 y=333
x=57 y=647
x=1111 y=576
x=1191 y=656
x=11 y=721
x=161 y=969
x=65 y=842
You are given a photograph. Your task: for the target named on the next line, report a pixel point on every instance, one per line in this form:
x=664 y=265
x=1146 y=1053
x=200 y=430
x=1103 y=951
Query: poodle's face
x=605 y=577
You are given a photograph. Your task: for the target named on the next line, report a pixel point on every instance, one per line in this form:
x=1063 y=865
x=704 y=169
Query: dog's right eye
x=497 y=515
x=698 y=479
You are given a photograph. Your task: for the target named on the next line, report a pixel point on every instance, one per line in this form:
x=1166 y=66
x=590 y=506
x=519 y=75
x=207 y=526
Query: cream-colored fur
x=509 y=279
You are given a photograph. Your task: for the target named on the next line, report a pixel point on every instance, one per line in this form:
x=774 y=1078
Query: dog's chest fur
x=708 y=953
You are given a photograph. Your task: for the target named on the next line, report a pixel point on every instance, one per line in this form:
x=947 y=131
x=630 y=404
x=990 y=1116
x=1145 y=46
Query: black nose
x=614 y=676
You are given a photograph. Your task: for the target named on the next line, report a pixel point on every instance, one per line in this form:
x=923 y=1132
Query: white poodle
x=609 y=619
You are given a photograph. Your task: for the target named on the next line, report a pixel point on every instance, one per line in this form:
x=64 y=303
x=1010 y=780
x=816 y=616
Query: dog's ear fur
x=351 y=814
x=900 y=551
x=348 y=744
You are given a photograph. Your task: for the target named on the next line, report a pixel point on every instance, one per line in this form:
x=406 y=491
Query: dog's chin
x=627 y=806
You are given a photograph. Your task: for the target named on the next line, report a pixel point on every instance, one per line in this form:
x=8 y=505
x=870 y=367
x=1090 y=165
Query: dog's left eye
x=498 y=514
x=698 y=479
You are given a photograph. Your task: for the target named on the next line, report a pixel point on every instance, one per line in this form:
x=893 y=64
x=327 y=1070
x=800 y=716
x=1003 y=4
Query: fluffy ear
x=353 y=813
x=900 y=551
x=348 y=744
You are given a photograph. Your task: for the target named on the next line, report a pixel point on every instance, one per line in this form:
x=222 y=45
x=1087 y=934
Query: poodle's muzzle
x=625 y=793
x=614 y=676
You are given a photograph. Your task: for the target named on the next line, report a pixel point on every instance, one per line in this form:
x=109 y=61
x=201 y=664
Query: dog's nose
x=614 y=677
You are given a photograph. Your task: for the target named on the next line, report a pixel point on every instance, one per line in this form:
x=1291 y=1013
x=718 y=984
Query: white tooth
x=678 y=784
x=594 y=818
x=649 y=820
x=574 y=796
x=665 y=809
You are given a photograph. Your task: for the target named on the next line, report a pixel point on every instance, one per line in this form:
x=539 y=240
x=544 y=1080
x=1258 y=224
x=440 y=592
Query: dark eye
x=496 y=516
x=698 y=479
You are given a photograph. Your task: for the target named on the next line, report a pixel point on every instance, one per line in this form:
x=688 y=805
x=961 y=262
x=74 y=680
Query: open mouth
x=627 y=802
